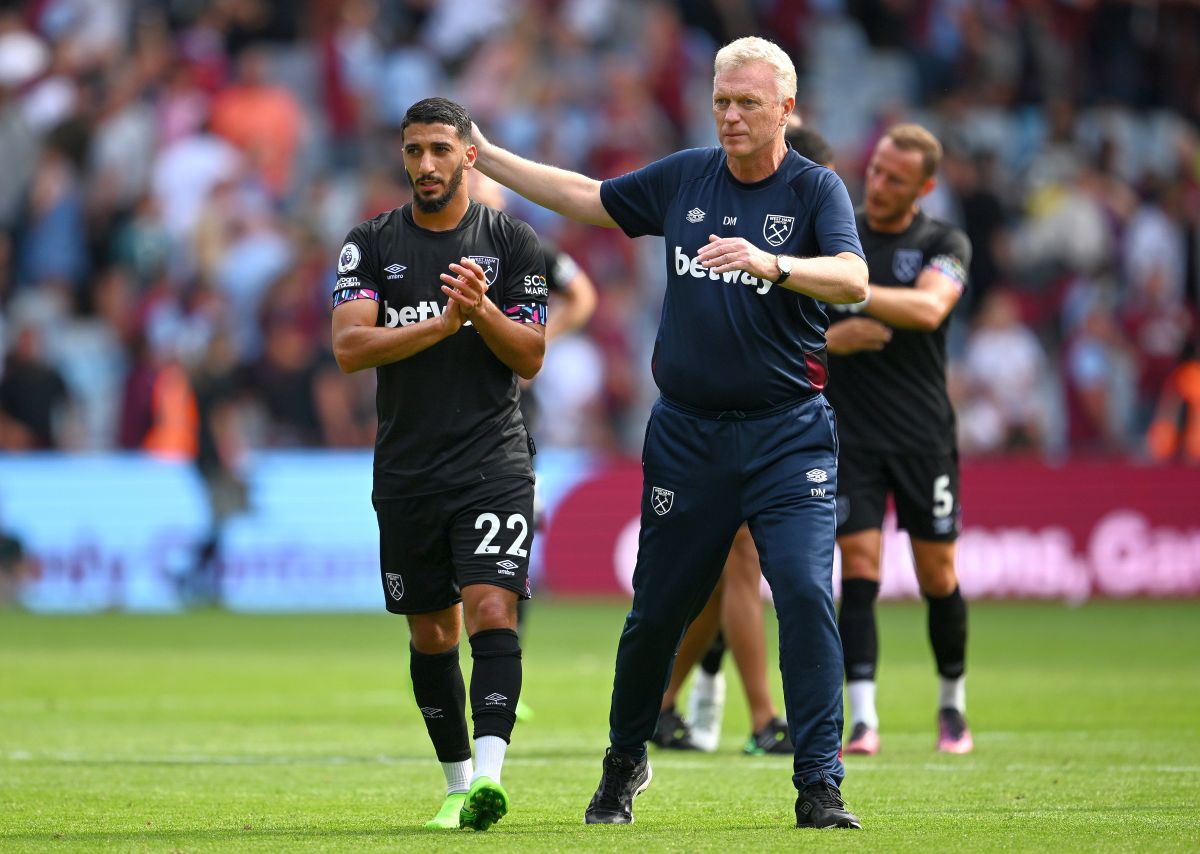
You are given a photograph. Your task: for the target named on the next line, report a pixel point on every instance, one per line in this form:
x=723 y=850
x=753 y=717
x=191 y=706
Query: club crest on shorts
x=662 y=500
x=395 y=585
x=906 y=263
x=777 y=229
x=490 y=265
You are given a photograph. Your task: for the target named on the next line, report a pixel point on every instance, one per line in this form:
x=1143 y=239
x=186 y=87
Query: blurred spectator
x=34 y=401
x=1002 y=405
x=15 y=565
x=220 y=457
x=1175 y=431
x=984 y=219
x=178 y=174
x=286 y=378
x=185 y=172
x=52 y=250
x=1099 y=382
x=261 y=119
x=158 y=407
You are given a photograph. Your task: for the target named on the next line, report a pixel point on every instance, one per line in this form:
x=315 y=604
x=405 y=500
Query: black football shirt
x=895 y=400
x=449 y=415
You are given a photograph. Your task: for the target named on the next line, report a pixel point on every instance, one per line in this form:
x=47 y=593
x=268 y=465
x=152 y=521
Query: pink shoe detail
x=864 y=741
x=954 y=736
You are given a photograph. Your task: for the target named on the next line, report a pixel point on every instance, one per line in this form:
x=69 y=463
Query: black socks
x=495 y=681
x=711 y=663
x=441 y=695
x=948 y=633
x=856 y=623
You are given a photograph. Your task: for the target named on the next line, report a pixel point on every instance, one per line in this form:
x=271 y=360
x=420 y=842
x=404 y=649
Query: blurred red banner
x=1031 y=530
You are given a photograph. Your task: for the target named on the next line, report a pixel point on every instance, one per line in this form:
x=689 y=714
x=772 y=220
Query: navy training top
x=733 y=341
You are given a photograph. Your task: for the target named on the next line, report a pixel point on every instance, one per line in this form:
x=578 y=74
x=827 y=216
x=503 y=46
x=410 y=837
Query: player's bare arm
x=565 y=192
x=520 y=346
x=358 y=343
x=840 y=279
x=922 y=308
x=856 y=335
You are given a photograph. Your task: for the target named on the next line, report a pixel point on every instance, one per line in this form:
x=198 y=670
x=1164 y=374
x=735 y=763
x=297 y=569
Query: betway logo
x=410 y=314
x=685 y=265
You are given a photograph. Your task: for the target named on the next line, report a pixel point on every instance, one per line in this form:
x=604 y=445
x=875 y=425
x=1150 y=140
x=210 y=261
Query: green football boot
x=486 y=804
x=447 y=817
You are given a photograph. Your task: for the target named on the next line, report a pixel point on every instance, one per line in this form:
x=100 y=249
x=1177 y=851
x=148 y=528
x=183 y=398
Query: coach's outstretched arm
x=565 y=192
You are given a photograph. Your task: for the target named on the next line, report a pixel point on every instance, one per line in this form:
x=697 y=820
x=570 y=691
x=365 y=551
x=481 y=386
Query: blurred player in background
x=735 y=614
x=574 y=301
x=446 y=298
x=755 y=237
x=897 y=428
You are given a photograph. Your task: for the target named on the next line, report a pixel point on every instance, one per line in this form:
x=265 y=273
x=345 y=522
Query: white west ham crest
x=777 y=229
x=490 y=265
x=906 y=263
x=395 y=585
x=661 y=500
x=349 y=258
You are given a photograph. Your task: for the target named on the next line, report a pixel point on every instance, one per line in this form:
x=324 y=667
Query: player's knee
x=939 y=582
x=936 y=577
x=859 y=563
x=432 y=636
x=860 y=555
x=492 y=611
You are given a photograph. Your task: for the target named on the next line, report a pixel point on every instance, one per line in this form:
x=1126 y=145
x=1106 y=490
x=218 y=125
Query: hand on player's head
x=477 y=138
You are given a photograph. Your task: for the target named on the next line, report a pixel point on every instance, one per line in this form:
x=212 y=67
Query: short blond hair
x=750 y=49
x=913 y=137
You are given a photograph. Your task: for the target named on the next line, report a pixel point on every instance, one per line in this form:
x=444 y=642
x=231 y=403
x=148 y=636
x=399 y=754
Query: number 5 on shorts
x=943 y=499
x=515 y=522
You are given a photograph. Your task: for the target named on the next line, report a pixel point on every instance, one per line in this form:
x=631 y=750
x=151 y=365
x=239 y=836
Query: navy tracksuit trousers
x=703 y=475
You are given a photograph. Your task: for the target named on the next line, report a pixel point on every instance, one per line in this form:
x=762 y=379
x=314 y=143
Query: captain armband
x=951 y=268
x=527 y=312
x=349 y=294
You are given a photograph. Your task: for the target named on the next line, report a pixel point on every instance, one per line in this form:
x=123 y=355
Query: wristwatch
x=784 y=263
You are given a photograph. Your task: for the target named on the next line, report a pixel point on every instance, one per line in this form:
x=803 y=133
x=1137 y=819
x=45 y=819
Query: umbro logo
x=494 y=699
x=695 y=215
x=816 y=475
x=395 y=271
x=431 y=713
x=506 y=564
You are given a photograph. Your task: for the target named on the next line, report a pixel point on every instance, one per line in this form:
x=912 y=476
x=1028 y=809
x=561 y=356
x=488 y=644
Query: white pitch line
x=683 y=764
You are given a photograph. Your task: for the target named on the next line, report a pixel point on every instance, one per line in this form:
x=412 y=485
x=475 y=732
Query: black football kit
x=895 y=420
x=453 y=475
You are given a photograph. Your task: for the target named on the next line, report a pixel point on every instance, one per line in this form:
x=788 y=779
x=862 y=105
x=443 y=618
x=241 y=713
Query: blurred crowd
x=176 y=177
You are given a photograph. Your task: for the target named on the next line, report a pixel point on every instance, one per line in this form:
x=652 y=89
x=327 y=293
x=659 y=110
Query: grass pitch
x=219 y=732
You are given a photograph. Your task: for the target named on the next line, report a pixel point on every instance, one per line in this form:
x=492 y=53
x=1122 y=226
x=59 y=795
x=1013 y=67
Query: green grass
x=217 y=732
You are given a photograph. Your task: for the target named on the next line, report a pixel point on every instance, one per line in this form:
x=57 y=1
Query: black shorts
x=924 y=487
x=432 y=546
